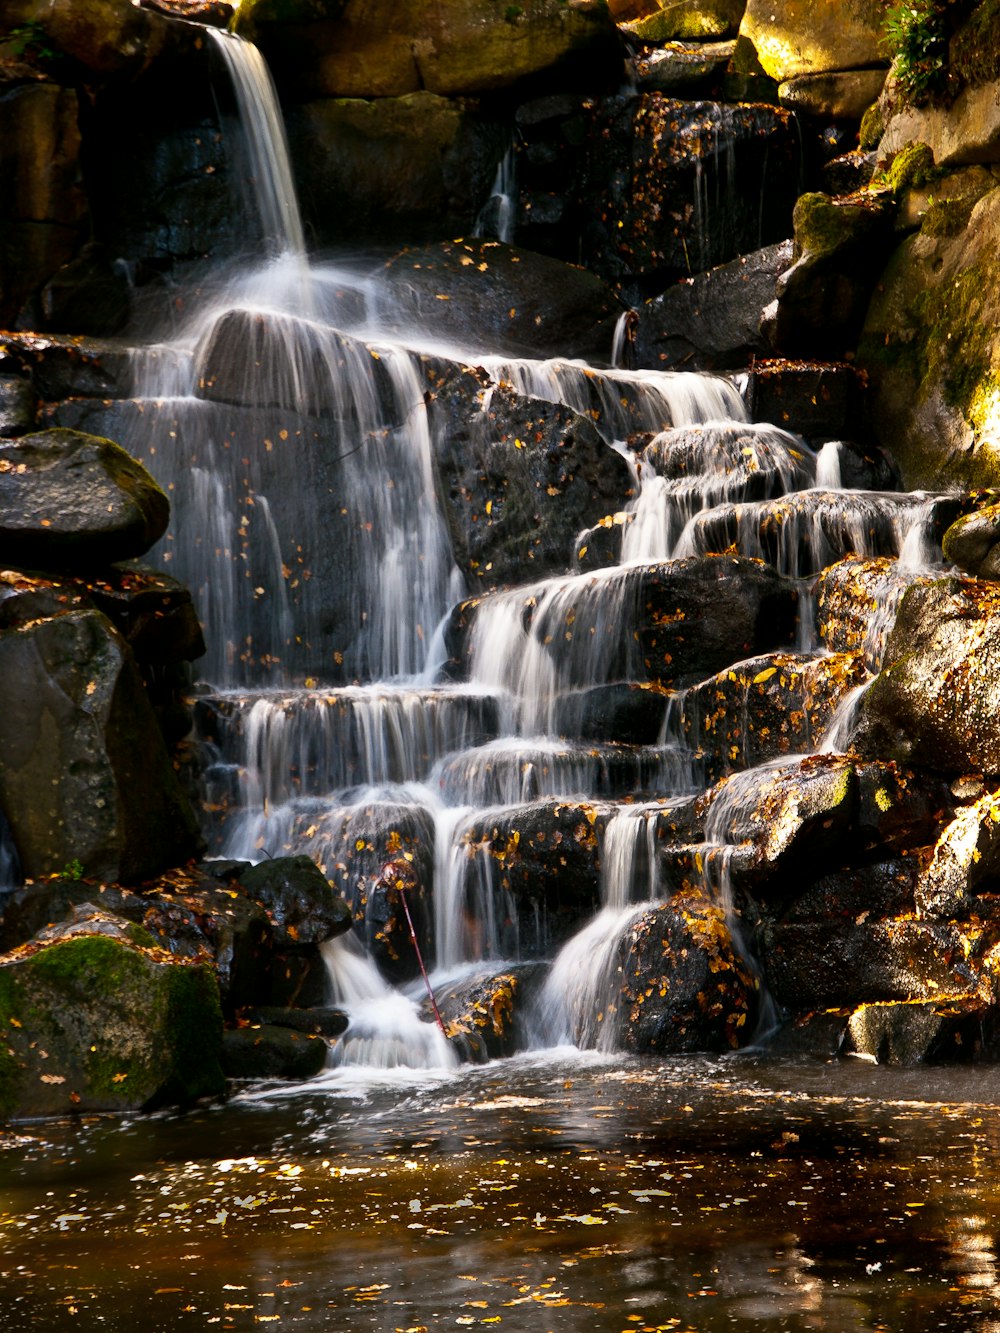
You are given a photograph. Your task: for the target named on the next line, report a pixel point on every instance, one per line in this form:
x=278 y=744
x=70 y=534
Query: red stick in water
x=423 y=971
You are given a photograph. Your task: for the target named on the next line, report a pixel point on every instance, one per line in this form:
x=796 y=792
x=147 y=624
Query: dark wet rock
x=253 y=359
x=154 y=613
x=532 y=872
x=682 y=69
x=819 y=401
x=218 y=13
x=521 y=478
x=318 y=1022
x=17 y=404
x=765 y=707
x=822 y=965
x=70 y=500
x=910 y=1034
x=865 y=467
x=350 y=48
x=297 y=979
x=684 y=986
x=626 y=712
x=93 y=1023
x=299 y=900
x=69 y=367
x=824 y=810
x=973 y=542
x=936 y=702
x=89 y=295
x=43 y=207
x=848 y=172
x=833 y=94
x=669 y=624
x=714 y=461
x=713 y=320
x=493 y=297
x=484 y=1014
x=271 y=1052
x=815 y=1036
x=965 y=864
x=394 y=170
x=78 y=726
x=652 y=165
x=859 y=893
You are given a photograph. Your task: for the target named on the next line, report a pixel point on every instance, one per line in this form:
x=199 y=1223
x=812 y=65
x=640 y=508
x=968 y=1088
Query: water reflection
x=548 y=1195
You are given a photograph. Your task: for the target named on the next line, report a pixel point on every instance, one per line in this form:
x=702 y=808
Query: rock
x=833 y=94
x=822 y=299
x=84 y=774
x=936 y=702
x=847 y=173
x=682 y=68
x=267 y=1052
x=971 y=542
x=797 y=37
x=674 y=188
x=153 y=612
x=490 y=297
x=672 y=624
x=521 y=477
x=329 y=48
x=931 y=349
x=391 y=171
x=824 y=810
x=683 y=986
x=89 y=295
x=856 y=603
x=910 y=1034
x=825 y=965
x=70 y=367
x=817 y=400
x=485 y=1014
x=873 y=891
x=627 y=712
x=712 y=321
x=93 y=1023
x=328 y=1023
x=17 y=405
x=299 y=899
x=965 y=131
x=965 y=862
x=683 y=20
x=43 y=207
x=70 y=500
x=109 y=39
x=764 y=707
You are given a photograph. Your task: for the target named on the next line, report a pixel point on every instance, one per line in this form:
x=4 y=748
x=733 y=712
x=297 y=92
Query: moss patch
x=974 y=54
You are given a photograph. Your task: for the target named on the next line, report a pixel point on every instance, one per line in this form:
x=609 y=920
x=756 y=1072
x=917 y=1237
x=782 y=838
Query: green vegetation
x=72 y=871
x=912 y=166
x=975 y=51
x=30 y=41
x=916 y=34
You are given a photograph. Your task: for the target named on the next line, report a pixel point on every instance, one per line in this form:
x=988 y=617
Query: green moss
x=823 y=226
x=872 y=127
x=974 y=55
x=194 y=1017
x=913 y=165
x=11 y=1007
x=950 y=217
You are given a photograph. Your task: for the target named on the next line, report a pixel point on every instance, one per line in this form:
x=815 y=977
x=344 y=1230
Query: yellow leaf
x=764 y=675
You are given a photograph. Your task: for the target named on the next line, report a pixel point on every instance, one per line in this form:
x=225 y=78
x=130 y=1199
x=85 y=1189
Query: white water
x=278 y=384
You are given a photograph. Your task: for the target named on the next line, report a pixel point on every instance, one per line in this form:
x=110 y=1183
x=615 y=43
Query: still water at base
x=548 y=1193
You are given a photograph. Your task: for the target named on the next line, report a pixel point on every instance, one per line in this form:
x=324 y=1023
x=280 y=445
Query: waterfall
x=298 y=444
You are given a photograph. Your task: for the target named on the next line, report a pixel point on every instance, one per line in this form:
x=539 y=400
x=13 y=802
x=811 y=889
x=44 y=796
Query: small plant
x=72 y=871
x=29 y=40
x=512 y=13
x=916 y=33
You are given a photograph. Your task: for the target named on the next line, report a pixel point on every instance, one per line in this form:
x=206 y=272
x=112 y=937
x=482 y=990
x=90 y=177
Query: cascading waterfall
x=326 y=733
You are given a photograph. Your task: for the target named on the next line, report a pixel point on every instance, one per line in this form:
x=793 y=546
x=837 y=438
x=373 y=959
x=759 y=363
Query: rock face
x=363 y=49
x=799 y=37
x=936 y=702
x=73 y=500
x=931 y=348
x=84 y=772
x=93 y=1023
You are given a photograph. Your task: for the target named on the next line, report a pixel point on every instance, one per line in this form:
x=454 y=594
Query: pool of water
x=542 y=1194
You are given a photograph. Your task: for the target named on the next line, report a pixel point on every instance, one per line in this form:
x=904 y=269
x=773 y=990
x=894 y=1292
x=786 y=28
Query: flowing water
x=564 y=1188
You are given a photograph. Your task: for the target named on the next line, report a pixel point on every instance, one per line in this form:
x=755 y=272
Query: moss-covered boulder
x=972 y=540
x=794 y=37
x=679 y=20
x=372 y=48
x=93 y=1023
x=936 y=702
x=931 y=348
x=71 y=501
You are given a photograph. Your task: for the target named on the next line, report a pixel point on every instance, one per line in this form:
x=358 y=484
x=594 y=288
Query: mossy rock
x=272 y=1052
x=688 y=20
x=93 y=1023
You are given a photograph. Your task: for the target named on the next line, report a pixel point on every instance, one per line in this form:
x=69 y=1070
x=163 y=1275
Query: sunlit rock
x=485 y=1015
x=95 y=1023
x=680 y=68
x=799 y=37
x=856 y=603
x=909 y=1034
x=964 y=871
x=17 y=403
x=679 y=20
x=972 y=542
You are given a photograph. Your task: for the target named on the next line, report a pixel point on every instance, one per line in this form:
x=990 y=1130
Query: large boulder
x=368 y=48
x=84 y=773
x=102 y=38
x=392 y=170
x=69 y=500
x=302 y=905
x=802 y=37
x=490 y=297
x=932 y=349
x=937 y=701
x=97 y=1023
x=965 y=862
x=678 y=20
